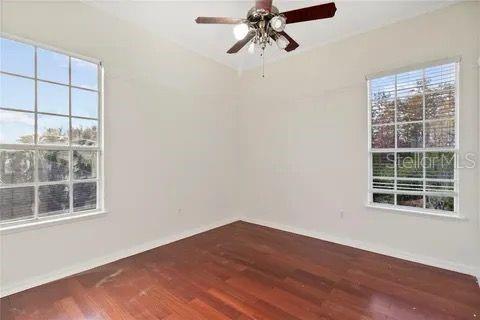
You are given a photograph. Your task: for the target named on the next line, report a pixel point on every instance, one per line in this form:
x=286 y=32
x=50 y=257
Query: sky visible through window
x=52 y=94
x=49 y=132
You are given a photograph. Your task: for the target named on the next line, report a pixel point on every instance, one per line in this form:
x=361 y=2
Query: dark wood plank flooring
x=245 y=271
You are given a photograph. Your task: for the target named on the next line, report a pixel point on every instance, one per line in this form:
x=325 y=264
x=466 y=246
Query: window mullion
x=395 y=153
x=457 y=134
x=70 y=153
x=100 y=137
x=35 y=139
x=424 y=142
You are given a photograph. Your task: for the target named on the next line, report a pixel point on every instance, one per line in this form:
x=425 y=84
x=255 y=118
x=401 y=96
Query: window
x=413 y=139
x=50 y=134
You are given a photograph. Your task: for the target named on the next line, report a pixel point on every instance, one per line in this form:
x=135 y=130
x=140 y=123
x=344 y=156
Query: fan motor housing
x=256 y=14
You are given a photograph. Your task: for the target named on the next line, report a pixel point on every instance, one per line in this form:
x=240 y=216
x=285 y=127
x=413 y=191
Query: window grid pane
x=45 y=133
x=425 y=142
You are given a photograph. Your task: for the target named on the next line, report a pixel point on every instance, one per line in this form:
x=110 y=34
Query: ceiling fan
x=265 y=23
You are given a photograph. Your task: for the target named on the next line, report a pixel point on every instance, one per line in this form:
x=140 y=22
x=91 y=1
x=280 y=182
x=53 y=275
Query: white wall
x=169 y=141
x=304 y=140
x=194 y=149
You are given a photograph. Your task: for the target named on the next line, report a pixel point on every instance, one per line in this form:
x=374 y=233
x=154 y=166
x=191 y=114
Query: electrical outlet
x=341 y=213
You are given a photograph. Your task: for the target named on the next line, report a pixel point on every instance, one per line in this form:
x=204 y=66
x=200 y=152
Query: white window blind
x=50 y=133
x=413 y=139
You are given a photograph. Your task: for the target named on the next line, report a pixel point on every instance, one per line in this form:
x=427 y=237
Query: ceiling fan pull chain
x=263 y=63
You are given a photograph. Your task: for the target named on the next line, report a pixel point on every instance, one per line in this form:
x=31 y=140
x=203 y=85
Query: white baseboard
x=434 y=262
x=71 y=270
x=65 y=272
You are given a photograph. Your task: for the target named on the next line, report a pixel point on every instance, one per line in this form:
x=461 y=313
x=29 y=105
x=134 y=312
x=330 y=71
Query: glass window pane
x=439 y=165
x=383 y=111
x=84 y=103
x=440 y=105
x=84 y=132
x=16 y=203
x=16 y=166
x=53 y=165
x=383 y=136
x=440 y=203
x=384 y=198
x=17 y=57
x=52 y=98
x=52 y=129
x=16 y=127
x=84 y=164
x=383 y=164
x=409 y=185
x=17 y=92
x=410 y=135
x=383 y=87
x=383 y=184
x=52 y=66
x=440 y=134
x=440 y=78
x=53 y=199
x=410 y=165
x=439 y=186
x=84 y=74
x=410 y=200
x=409 y=106
x=410 y=82
x=84 y=196
x=410 y=96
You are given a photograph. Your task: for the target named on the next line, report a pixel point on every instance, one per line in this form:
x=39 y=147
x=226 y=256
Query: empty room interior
x=242 y=159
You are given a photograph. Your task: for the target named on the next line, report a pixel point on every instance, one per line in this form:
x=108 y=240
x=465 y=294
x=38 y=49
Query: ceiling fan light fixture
x=278 y=23
x=240 y=31
x=282 y=42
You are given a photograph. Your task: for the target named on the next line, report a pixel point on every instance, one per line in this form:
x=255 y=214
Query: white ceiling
x=174 y=20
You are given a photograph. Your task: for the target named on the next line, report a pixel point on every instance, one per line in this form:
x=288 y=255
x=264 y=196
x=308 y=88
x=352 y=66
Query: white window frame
x=38 y=220
x=456 y=150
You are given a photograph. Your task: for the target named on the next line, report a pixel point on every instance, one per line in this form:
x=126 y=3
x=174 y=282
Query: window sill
x=419 y=212
x=21 y=226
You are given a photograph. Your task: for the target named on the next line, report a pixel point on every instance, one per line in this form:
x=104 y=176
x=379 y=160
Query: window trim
x=37 y=220
x=455 y=214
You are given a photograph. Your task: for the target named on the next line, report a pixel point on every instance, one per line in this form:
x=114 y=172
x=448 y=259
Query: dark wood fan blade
x=219 y=20
x=240 y=44
x=292 y=43
x=264 y=4
x=321 y=11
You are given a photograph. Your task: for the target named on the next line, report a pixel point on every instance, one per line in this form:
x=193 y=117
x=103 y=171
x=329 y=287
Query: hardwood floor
x=245 y=271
